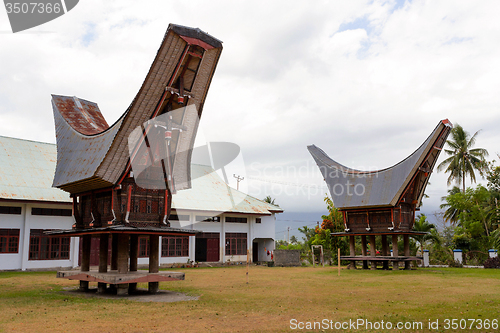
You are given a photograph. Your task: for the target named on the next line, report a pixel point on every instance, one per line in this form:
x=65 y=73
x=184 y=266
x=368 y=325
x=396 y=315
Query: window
x=43 y=247
x=51 y=212
x=175 y=217
x=236 y=243
x=204 y=218
x=258 y=220
x=143 y=247
x=10 y=210
x=236 y=219
x=9 y=240
x=175 y=246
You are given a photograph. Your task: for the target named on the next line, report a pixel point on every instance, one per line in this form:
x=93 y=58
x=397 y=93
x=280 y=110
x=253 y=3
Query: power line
x=294 y=221
x=278 y=232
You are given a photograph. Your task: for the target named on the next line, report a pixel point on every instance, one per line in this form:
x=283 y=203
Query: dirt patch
x=141 y=295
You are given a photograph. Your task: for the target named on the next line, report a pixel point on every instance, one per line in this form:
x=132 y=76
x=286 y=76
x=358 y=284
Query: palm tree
x=270 y=200
x=463 y=158
x=421 y=224
x=452 y=214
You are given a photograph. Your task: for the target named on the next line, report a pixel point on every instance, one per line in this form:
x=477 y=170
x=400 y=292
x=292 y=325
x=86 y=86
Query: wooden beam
x=76 y=214
x=85 y=264
x=373 y=251
x=363 y=251
x=123 y=253
x=406 y=240
x=395 y=265
x=352 y=250
x=154 y=263
x=385 y=250
x=134 y=249
x=103 y=260
x=114 y=252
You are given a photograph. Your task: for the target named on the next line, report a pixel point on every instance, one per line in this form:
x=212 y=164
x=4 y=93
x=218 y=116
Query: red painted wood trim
x=129 y=197
x=82 y=233
x=195 y=41
x=195 y=55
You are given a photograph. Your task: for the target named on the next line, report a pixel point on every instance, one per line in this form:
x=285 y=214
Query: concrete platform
x=113 y=277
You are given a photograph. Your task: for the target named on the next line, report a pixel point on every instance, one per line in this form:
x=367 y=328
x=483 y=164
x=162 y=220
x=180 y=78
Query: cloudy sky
x=367 y=81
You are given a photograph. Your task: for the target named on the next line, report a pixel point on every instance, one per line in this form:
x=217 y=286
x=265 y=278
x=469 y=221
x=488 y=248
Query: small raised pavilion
x=382 y=203
x=122 y=177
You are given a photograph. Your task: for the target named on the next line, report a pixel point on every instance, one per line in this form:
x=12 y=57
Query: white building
x=230 y=222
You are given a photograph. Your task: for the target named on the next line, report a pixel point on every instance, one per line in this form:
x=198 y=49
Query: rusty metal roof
x=26 y=171
x=352 y=188
x=210 y=193
x=83 y=116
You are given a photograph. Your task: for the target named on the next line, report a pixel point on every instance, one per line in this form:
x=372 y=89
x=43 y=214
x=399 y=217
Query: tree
x=451 y=214
x=493 y=177
x=475 y=210
x=270 y=200
x=421 y=224
x=463 y=158
x=334 y=221
x=309 y=233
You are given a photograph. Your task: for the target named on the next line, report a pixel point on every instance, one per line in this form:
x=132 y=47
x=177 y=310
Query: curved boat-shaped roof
x=92 y=155
x=83 y=116
x=352 y=188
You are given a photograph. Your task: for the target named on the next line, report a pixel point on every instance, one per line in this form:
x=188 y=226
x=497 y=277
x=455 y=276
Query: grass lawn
x=33 y=301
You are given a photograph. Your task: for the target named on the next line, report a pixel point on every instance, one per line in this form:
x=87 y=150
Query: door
x=213 y=249
x=200 y=253
x=255 y=252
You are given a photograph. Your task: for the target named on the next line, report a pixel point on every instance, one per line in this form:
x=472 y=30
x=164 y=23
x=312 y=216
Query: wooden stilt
x=114 y=252
x=395 y=264
x=103 y=260
x=373 y=251
x=338 y=260
x=85 y=266
x=352 y=250
x=385 y=250
x=154 y=264
x=122 y=253
x=134 y=243
x=363 y=251
x=406 y=240
x=114 y=259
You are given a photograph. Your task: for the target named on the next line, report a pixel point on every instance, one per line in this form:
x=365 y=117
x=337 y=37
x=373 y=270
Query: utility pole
x=288 y=229
x=238 y=180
